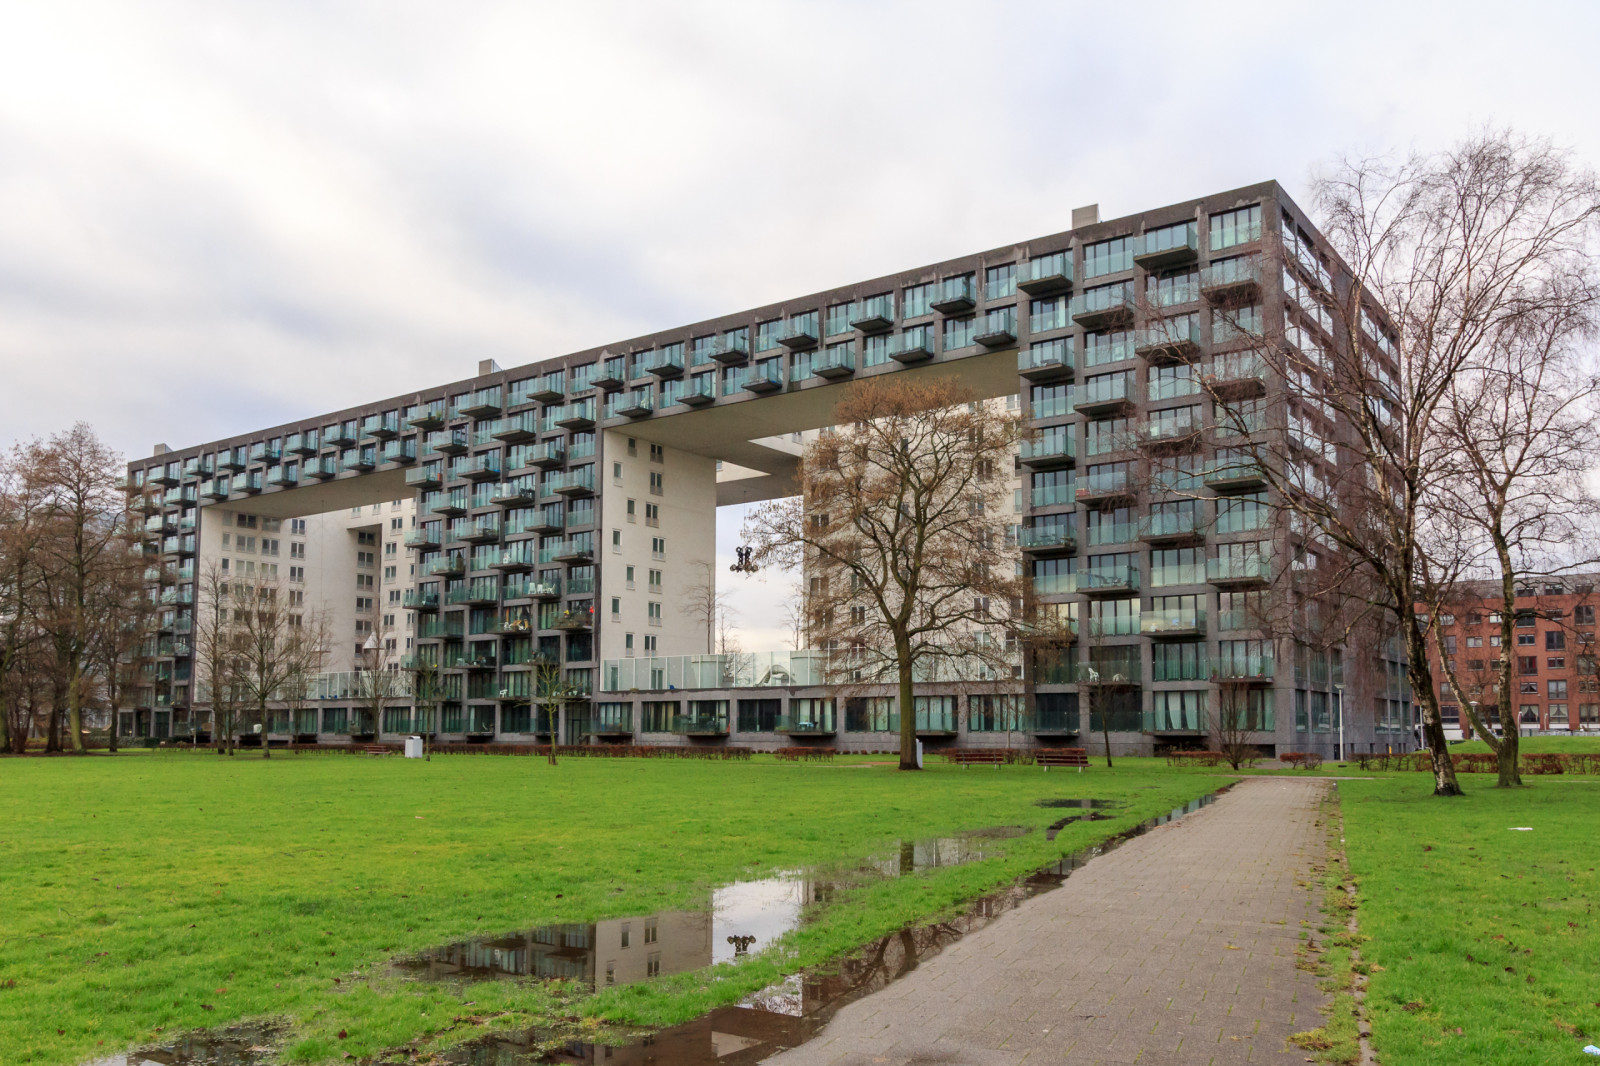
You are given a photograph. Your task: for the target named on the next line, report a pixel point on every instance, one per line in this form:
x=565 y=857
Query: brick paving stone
x=1176 y=948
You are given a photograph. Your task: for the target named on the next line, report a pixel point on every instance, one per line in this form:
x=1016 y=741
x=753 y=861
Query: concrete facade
x=1114 y=336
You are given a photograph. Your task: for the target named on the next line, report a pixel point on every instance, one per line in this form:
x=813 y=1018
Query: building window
x=655 y=581
x=658 y=547
x=658 y=454
x=653 y=611
x=616 y=608
x=1107 y=257
x=1556 y=689
x=1000 y=282
x=1236 y=227
x=657 y=483
x=652 y=514
x=1555 y=640
x=616 y=540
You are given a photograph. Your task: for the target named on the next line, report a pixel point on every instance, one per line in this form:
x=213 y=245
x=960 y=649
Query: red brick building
x=1553 y=656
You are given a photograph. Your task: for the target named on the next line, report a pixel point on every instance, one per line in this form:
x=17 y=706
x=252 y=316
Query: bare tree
x=217 y=659
x=554 y=693
x=1520 y=425
x=427 y=693
x=705 y=604
x=382 y=680
x=83 y=554
x=21 y=516
x=900 y=530
x=1442 y=256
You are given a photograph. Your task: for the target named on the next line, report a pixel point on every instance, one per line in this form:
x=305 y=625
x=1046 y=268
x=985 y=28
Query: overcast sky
x=216 y=216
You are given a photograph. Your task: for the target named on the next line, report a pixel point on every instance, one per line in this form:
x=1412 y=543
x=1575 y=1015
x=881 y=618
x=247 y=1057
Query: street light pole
x=1338 y=696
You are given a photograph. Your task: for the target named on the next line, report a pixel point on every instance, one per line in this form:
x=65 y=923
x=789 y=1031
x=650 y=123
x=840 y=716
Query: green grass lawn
x=146 y=894
x=1483 y=940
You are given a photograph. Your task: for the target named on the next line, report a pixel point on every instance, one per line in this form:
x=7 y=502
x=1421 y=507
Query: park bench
x=378 y=749
x=978 y=758
x=1048 y=757
x=797 y=753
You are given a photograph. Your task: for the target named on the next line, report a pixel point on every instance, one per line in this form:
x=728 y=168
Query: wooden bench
x=378 y=749
x=978 y=757
x=1048 y=757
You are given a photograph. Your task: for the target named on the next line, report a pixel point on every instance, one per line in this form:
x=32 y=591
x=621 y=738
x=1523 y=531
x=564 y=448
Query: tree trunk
x=908 y=714
x=266 y=728
x=1444 y=772
x=75 y=715
x=1105 y=721
x=1509 y=773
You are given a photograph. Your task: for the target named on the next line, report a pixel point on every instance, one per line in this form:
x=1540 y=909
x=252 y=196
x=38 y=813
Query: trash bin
x=413 y=747
x=919 y=754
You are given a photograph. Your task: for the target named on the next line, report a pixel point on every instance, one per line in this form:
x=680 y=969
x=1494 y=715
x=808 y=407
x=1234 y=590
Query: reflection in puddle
x=791 y=1012
x=235 y=1046
x=741 y=918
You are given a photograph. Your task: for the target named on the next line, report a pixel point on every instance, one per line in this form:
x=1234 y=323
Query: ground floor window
x=870 y=714
x=655 y=716
x=811 y=716
x=759 y=716
x=1116 y=710
x=397 y=719
x=450 y=718
x=333 y=720
x=1055 y=712
x=994 y=714
x=616 y=717
x=516 y=718
x=1178 y=711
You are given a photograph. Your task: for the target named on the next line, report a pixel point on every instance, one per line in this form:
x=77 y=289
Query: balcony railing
x=1158 y=622
x=1047 y=361
x=1105 y=579
x=1053 y=538
x=1231 y=278
x=1245 y=667
x=1046 y=275
x=955 y=295
x=1168 y=246
x=1049 y=450
x=1248 y=569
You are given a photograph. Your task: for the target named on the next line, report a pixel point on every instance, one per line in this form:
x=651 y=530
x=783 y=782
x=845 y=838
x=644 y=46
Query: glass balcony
x=446 y=627
x=1251 y=666
x=1172 y=622
x=515 y=493
x=1234 y=474
x=823 y=723
x=912 y=346
x=514 y=557
x=341 y=434
x=799 y=333
x=517 y=428
x=266 y=452
x=1055 y=584
x=610 y=373
x=546 y=388
x=1104 y=485
x=229 y=460
x=1049 y=451
x=635 y=404
x=421 y=599
x=1184 y=525
x=1053 y=495
x=1231 y=279
x=248 y=483
x=1098 y=395
x=1236 y=375
x=359 y=459
x=446 y=442
x=1047 y=539
x=700 y=725
x=283 y=476
x=447 y=566
x=997 y=329
x=478 y=592
x=1115 y=673
x=874 y=314
x=425 y=537
x=1249 y=569
x=484 y=403
x=730 y=351
x=400 y=451
x=477 y=530
x=765 y=376
x=1050 y=361
x=426 y=415
x=1102 y=580
x=425 y=477
x=833 y=364
x=384 y=426
x=1105 y=305
x=571 y=550
x=699 y=391
x=546 y=454
x=1046 y=275
x=574 y=482
x=575 y=619
x=1164 y=432
x=514 y=624
x=1168 y=246
x=955 y=295
x=1171 y=340
x=577 y=415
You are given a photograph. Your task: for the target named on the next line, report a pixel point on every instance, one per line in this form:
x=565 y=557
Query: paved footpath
x=1177 y=948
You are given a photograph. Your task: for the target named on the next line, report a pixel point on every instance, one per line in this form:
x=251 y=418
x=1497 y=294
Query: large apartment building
x=564 y=510
x=1553 y=661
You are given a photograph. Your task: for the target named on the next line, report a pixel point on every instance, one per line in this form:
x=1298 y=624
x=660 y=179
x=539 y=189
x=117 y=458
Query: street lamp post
x=1338 y=709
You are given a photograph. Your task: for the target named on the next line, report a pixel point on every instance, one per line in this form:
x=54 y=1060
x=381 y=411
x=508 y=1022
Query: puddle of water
x=778 y=1017
x=788 y=1014
x=741 y=918
x=243 y=1045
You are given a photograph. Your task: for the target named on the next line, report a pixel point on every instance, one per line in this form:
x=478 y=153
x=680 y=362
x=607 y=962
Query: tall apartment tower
x=565 y=509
